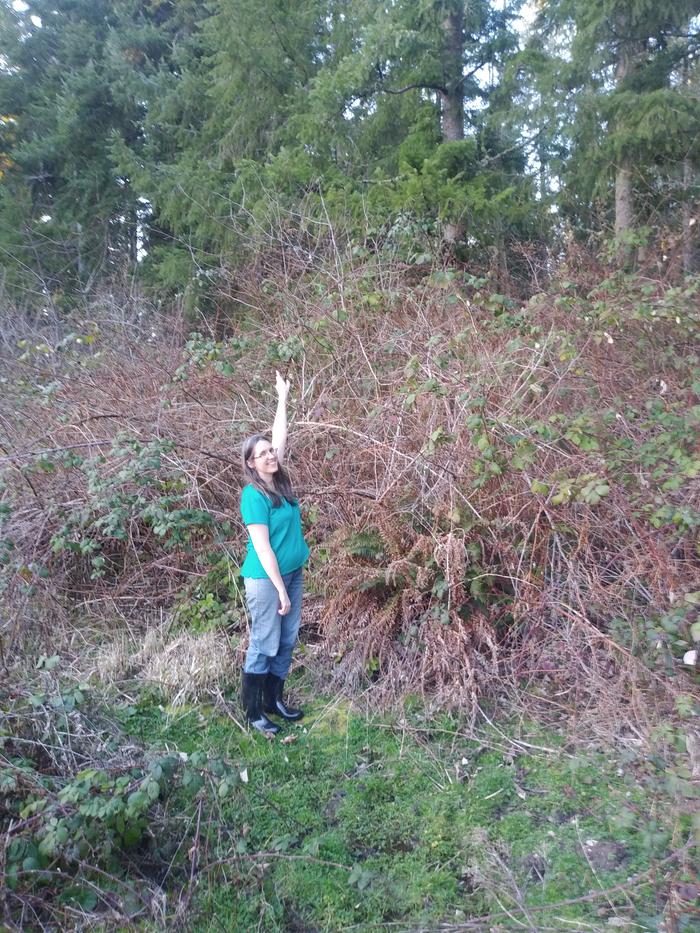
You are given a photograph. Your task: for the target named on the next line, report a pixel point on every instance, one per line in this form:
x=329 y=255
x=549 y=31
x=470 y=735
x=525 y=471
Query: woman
x=272 y=571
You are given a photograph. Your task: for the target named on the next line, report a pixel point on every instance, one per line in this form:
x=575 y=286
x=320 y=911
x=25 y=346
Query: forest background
x=468 y=233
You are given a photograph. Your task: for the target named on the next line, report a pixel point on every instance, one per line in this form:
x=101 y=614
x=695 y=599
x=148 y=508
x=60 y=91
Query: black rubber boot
x=273 y=702
x=252 y=686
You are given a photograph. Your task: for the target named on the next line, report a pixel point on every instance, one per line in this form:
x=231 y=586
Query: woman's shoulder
x=251 y=494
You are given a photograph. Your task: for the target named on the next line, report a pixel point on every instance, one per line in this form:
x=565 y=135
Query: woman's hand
x=285 y=604
x=282 y=386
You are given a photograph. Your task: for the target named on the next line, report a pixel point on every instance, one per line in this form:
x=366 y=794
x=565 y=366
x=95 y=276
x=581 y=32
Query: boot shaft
x=273 y=701
x=252 y=686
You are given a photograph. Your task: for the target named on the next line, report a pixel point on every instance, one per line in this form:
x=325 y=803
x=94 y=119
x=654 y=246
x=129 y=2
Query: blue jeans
x=272 y=636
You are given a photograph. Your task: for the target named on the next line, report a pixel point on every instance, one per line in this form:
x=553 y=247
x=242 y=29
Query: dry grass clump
x=191 y=666
x=184 y=666
x=484 y=482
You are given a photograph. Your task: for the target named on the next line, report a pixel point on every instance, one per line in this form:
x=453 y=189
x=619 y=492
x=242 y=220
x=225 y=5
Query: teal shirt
x=286 y=536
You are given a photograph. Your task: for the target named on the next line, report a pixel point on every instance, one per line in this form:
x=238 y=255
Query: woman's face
x=264 y=460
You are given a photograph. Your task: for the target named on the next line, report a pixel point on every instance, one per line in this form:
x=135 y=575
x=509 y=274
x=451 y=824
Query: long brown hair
x=282 y=483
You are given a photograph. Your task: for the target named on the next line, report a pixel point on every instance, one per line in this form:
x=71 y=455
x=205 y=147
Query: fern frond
x=364 y=544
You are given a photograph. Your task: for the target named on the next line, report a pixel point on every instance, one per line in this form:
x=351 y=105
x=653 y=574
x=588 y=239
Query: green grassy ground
x=348 y=822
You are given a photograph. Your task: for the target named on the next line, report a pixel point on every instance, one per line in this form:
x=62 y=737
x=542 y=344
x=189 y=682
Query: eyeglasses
x=266 y=453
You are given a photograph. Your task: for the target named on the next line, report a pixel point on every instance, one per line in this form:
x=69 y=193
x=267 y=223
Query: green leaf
x=313 y=847
x=137 y=800
x=360 y=877
x=192 y=781
x=131 y=904
x=132 y=835
x=81 y=897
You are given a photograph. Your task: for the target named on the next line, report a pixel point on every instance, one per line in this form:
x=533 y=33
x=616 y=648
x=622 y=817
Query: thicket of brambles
x=501 y=497
x=480 y=476
x=472 y=249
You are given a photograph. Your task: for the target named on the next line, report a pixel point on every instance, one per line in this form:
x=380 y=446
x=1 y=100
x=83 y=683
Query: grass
x=361 y=823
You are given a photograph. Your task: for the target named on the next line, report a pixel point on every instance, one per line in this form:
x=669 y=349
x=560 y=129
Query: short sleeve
x=255 y=508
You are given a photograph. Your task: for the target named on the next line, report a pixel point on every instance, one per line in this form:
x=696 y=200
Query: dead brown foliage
x=460 y=585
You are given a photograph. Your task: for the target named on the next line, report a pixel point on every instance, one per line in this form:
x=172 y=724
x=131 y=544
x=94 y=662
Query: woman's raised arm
x=279 y=425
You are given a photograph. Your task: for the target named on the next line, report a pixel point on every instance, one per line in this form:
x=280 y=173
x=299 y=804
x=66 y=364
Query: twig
x=193 y=853
x=256 y=856
x=624 y=887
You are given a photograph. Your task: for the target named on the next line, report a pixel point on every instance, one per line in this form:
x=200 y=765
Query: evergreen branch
x=521 y=144
x=427 y=85
x=470 y=74
x=287 y=51
x=413 y=87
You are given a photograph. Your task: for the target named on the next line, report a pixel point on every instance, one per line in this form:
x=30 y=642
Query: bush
x=490 y=485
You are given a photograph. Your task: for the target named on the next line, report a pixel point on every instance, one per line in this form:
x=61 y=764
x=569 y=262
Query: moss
x=364 y=824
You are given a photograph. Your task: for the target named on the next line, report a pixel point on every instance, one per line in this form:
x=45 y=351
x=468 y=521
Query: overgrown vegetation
x=472 y=247
x=141 y=813
x=501 y=497
x=481 y=478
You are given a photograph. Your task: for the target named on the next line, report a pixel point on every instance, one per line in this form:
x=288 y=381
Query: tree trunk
x=689 y=231
x=624 y=202
x=542 y=159
x=624 y=196
x=80 y=260
x=452 y=98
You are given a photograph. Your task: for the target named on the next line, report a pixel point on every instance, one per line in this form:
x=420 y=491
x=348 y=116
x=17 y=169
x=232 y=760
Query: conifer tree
x=68 y=215
x=613 y=67
x=333 y=98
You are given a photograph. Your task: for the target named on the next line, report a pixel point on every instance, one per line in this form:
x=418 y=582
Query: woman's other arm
x=279 y=426
x=260 y=536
